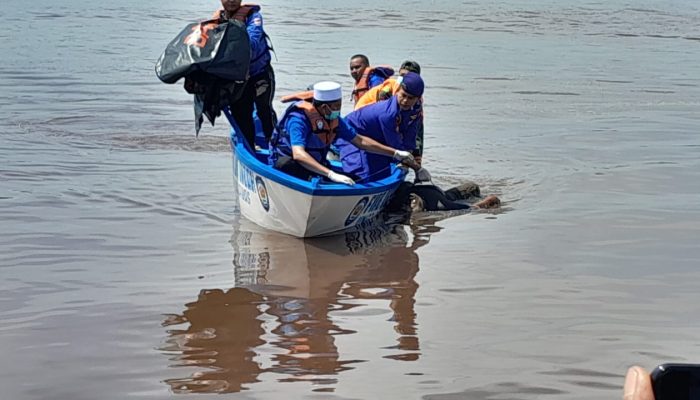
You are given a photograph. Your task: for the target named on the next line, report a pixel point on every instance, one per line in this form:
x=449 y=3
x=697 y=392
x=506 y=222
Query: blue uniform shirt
x=386 y=123
x=295 y=130
x=259 y=50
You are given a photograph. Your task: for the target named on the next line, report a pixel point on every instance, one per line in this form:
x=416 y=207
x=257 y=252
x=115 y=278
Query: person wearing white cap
x=310 y=126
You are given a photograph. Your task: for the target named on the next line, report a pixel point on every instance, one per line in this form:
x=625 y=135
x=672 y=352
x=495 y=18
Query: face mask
x=333 y=115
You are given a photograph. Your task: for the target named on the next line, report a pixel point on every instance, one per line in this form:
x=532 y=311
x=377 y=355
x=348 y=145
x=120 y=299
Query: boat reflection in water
x=282 y=317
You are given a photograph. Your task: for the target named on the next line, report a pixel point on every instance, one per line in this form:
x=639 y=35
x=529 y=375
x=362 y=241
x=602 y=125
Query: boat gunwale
x=313 y=187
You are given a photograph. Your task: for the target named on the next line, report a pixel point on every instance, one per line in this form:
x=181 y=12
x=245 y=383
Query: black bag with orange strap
x=213 y=58
x=220 y=49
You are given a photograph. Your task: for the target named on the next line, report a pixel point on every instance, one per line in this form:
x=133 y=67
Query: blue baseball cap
x=413 y=84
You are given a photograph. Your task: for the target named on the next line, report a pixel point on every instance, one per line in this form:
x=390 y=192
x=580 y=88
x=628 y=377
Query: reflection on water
x=283 y=316
x=113 y=214
x=222 y=335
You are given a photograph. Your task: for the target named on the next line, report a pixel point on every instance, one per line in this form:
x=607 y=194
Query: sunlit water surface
x=128 y=272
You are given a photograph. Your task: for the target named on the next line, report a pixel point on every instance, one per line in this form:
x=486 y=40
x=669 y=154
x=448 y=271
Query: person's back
x=369 y=122
x=388 y=87
x=380 y=92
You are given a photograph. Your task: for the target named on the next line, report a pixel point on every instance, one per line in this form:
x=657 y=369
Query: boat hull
x=283 y=203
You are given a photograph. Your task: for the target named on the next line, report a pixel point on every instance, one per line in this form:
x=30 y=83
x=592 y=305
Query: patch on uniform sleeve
x=257 y=21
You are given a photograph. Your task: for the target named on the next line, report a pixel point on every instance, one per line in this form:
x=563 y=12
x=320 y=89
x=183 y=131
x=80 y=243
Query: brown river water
x=127 y=271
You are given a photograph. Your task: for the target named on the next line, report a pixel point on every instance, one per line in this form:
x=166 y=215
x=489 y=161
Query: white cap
x=327 y=91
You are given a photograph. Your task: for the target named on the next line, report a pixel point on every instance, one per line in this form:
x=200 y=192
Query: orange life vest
x=324 y=130
x=378 y=93
x=241 y=13
x=362 y=86
x=305 y=96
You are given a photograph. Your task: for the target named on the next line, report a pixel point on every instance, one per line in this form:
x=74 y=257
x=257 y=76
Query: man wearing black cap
x=394 y=122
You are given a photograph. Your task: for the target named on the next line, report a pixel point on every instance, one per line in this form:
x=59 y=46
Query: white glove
x=402 y=155
x=340 y=178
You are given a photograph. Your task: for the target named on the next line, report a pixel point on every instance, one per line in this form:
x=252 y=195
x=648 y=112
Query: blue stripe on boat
x=316 y=186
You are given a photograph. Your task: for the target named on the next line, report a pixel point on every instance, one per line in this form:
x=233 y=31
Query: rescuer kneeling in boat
x=394 y=122
x=391 y=87
x=310 y=126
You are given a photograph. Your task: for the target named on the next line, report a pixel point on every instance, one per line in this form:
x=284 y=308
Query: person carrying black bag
x=214 y=58
x=260 y=87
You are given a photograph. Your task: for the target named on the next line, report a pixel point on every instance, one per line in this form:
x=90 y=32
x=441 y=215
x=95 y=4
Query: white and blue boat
x=283 y=203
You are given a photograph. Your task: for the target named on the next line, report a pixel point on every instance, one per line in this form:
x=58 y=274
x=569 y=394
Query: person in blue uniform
x=305 y=133
x=260 y=87
x=394 y=122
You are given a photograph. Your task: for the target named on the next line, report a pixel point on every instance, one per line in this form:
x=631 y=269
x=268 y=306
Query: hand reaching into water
x=638 y=385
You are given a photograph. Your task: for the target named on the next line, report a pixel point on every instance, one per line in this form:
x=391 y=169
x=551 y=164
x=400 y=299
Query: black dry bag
x=219 y=49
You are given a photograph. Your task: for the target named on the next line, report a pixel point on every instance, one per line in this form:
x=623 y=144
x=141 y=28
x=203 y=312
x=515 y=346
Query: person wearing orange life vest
x=392 y=122
x=389 y=88
x=366 y=76
x=260 y=87
x=307 y=129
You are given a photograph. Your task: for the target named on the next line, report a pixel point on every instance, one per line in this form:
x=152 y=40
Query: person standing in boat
x=310 y=126
x=260 y=87
x=394 y=122
x=366 y=76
